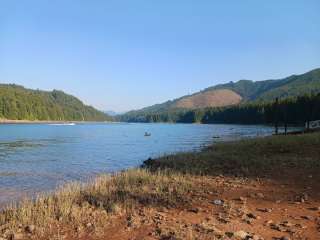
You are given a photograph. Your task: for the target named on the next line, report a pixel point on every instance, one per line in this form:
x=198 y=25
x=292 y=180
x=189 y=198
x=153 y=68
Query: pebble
x=307 y=217
x=18 y=236
x=302 y=197
x=268 y=223
x=257 y=237
x=242 y=199
x=30 y=228
x=8 y=234
x=217 y=202
x=266 y=210
x=260 y=195
x=315 y=208
x=284 y=238
x=251 y=215
x=89 y=225
x=248 y=220
x=194 y=210
x=240 y=235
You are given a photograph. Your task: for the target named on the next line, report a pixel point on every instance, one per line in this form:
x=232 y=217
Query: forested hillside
x=293 y=110
x=292 y=86
x=255 y=105
x=19 y=103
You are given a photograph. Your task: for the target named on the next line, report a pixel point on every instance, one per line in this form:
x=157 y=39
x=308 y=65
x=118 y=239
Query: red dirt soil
x=265 y=209
x=213 y=98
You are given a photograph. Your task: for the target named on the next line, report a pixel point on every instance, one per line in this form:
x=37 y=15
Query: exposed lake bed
x=256 y=188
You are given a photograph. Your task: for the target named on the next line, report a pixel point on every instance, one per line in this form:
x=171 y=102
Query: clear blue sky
x=123 y=55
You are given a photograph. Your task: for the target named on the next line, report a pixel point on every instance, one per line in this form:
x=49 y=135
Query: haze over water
x=39 y=157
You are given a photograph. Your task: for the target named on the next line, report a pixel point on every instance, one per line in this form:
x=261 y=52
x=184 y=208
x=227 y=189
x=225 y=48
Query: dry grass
x=249 y=158
x=81 y=206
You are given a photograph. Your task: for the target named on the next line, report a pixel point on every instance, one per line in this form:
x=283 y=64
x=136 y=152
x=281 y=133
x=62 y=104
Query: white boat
x=62 y=124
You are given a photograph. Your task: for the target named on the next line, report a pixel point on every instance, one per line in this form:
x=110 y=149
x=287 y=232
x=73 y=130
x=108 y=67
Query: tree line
x=293 y=110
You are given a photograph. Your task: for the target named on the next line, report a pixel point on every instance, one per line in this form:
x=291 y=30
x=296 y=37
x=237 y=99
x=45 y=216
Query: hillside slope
x=19 y=103
x=291 y=86
x=213 y=98
x=240 y=92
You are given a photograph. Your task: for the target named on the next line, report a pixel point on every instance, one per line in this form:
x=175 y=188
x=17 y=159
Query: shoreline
x=257 y=187
x=6 y=121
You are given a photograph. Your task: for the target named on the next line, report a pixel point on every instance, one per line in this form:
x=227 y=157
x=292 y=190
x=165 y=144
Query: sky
x=122 y=55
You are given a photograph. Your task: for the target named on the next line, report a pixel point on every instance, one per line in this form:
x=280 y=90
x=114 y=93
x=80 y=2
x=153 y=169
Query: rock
x=286 y=224
x=257 y=237
x=130 y=221
x=240 y=235
x=217 y=232
x=315 y=208
x=260 y=195
x=89 y=225
x=242 y=199
x=223 y=219
x=18 y=236
x=268 y=223
x=208 y=228
x=251 y=215
x=305 y=196
x=217 y=202
x=8 y=234
x=30 y=228
x=3 y=227
x=194 y=210
x=249 y=221
x=251 y=195
x=277 y=227
x=266 y=210
x=302 y=197
x=229 y=234
x=310 y=218
x=164 y=210
x=284 y=238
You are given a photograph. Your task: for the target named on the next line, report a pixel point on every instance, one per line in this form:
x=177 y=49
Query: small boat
x=146 y=134
x=62 y=124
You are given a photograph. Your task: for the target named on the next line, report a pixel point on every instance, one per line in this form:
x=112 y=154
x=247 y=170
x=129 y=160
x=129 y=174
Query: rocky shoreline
x=256 y=189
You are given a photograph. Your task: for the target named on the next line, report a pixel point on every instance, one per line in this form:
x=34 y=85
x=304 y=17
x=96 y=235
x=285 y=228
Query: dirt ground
x=228 y=208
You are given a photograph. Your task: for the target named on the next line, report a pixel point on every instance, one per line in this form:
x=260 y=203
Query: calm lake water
x=38 y=157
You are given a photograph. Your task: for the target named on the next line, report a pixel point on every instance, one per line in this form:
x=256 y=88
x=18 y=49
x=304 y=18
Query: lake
x=38 y=157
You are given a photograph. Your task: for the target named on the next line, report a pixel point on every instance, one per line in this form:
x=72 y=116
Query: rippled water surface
x=38 y=157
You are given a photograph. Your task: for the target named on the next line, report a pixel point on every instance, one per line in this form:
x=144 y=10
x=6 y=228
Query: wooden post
x=285 y=119
x=275 y=112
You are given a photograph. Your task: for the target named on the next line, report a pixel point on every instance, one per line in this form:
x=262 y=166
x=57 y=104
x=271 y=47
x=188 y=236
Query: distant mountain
x=239 y=92
x=19 y=103
x=111 y=113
